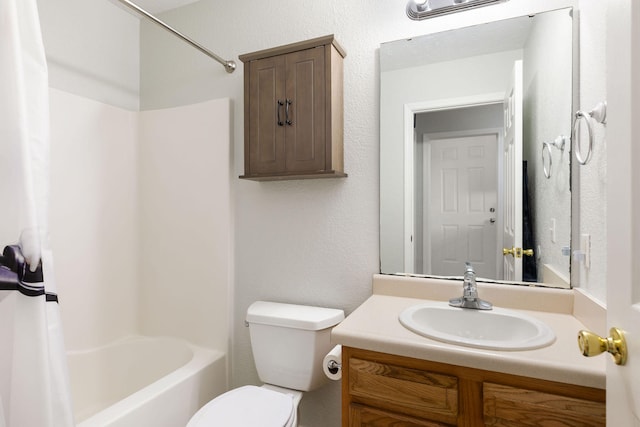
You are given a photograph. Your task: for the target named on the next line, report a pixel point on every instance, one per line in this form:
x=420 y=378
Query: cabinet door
x=267 y=88
x=404 y=390
x=517 y=407
x=364 y=416
x=306 y=97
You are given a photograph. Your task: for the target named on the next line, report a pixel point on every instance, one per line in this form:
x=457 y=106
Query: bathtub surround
x=145 y=273
x=126 y=266
x=185 y=222
x=93 y=183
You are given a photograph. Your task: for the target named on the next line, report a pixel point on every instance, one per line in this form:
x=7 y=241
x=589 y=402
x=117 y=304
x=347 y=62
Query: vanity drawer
x=511 y=406
x=404 y=390
x=361 y=416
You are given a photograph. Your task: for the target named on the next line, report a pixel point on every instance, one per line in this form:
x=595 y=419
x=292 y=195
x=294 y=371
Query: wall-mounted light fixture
x=423 y=9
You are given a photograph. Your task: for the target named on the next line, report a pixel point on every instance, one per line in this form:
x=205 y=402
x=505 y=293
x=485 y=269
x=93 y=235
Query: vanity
x=393 y=376
x=468 y=174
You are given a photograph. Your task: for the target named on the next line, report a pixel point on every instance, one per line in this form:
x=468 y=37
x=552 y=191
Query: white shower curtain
x=34 y=386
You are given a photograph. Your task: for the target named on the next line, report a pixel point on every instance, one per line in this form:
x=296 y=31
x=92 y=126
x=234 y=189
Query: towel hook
x=559 y=143
x=599 y=114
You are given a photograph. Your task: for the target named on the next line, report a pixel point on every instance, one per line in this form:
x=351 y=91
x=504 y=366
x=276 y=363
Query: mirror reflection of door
x=458 y=172
x=461 y=213
x=512 y=231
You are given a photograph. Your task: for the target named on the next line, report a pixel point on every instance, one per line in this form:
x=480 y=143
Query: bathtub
x=143 y=381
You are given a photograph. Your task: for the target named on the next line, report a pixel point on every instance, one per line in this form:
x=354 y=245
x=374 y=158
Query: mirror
x=472 y=166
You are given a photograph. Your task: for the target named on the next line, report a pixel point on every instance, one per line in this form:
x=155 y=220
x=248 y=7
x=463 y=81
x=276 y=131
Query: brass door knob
x=591 y=345
x=506 y=251
x=517 y=252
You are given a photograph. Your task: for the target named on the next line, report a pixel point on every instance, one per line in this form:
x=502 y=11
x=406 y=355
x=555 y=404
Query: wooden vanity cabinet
x=382 y=390
x=293 y=111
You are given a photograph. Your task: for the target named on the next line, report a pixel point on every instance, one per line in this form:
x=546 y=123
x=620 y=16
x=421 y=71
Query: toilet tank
x=290 y=341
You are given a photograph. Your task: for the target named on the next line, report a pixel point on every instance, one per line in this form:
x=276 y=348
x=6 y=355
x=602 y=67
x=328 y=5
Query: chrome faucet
x=470 y=292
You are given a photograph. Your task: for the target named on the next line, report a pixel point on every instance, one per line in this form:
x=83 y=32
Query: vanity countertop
x=374 y=326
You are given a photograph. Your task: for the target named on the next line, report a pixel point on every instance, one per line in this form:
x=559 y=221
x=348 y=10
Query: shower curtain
x=34 y=386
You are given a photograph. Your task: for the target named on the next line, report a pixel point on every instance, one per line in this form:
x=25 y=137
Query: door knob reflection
x=517 y=252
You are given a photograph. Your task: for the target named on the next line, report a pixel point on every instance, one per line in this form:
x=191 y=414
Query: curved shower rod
x=230 y=66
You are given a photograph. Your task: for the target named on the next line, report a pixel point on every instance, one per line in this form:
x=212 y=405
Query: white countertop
x=375 y=326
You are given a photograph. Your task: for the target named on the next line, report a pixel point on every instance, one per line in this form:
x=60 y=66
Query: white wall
x=592 y=178
x=92 y=50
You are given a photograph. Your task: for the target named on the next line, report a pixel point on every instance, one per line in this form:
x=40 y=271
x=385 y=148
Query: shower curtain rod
x=230 y=66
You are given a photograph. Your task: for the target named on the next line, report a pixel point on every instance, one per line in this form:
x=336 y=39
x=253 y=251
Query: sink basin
x=497 y=329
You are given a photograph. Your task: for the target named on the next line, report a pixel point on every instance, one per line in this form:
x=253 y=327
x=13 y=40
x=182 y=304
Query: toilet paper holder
x=332 y=363
x=334 y=366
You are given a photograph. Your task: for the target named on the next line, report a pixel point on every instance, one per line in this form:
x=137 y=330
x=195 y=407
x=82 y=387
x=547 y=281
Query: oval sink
x=497 y=329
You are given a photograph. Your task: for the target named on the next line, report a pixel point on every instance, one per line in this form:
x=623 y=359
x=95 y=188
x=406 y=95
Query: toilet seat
x=246 y=407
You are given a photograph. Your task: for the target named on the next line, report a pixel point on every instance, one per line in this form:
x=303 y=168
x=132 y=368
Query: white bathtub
x=142 y=381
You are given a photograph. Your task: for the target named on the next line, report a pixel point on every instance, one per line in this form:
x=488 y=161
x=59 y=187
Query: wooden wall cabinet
x=382 y=390
x=293 y=111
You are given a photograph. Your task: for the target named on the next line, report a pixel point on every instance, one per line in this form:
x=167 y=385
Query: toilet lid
x=246 y=406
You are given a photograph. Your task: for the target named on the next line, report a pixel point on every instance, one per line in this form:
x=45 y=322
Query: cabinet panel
x=406 y=390
x=267 y=83
x=305 y=133
x=364 y=416
x=511 y=406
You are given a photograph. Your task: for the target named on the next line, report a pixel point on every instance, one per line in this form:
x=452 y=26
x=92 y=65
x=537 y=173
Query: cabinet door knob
x=280 y=104
x=591 y=345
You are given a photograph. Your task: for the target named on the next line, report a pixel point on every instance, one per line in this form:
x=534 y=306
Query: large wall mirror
x=475 y=158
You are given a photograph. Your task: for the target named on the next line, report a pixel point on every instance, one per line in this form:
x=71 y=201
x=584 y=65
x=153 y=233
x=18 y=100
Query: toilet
x=289 y=343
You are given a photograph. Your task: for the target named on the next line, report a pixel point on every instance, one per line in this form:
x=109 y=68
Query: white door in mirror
x=513 y=131
x=463 y=188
